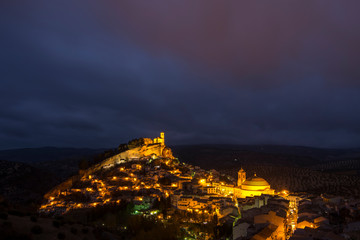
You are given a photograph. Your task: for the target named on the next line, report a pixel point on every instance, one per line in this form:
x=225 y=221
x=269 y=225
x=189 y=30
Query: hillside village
x=149 y=182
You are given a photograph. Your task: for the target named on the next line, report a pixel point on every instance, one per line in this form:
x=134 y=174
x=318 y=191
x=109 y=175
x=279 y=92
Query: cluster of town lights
x=100 y=191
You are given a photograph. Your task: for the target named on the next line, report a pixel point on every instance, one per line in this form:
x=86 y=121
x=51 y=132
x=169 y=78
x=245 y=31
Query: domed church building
x=253 y=186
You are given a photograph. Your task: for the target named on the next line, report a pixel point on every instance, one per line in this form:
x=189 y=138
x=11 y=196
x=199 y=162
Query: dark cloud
x=260 y=42
x=97 y=74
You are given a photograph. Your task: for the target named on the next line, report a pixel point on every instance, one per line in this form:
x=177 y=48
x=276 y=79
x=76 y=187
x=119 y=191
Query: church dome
x=255 y=184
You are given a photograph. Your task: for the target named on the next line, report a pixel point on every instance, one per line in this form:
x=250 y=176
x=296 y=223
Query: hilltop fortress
x=139 y=148
x=136 y=149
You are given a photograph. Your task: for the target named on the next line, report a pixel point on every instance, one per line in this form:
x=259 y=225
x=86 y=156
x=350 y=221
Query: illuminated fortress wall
x=135 y=153
x=155 y=148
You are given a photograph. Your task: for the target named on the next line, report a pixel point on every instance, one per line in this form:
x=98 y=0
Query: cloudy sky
x=98 y=73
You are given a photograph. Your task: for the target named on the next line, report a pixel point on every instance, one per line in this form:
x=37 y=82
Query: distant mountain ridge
x=284 y=149
x=224 y=154
x=31 y=155
x=228 y=151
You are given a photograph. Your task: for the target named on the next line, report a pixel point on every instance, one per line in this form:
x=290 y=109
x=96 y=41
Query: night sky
x=99 y=73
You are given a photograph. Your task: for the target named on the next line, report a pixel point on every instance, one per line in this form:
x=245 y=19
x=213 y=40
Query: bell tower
x=241 y=177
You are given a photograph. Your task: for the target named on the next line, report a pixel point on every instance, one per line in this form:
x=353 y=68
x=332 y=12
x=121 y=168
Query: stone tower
x=160 y=139
x=241 y=176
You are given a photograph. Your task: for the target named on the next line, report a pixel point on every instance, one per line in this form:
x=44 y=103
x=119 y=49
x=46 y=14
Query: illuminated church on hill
x=253 y=186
